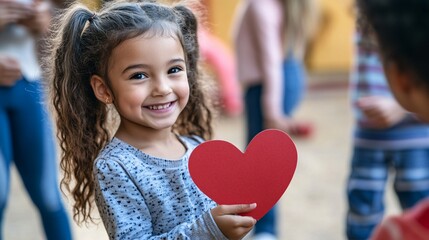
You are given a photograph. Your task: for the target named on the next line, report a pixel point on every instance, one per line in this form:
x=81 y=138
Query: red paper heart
x=259 y=175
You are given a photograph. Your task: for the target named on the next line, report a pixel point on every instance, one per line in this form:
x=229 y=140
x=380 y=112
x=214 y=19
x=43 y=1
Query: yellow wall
x=221 y=16
x=330 y=51
x=332 y=47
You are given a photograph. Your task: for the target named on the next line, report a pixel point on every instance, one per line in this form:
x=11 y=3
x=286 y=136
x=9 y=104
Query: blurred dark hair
x=402 y=31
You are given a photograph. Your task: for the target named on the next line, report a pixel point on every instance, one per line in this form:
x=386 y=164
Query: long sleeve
x=158 y=204
x=367 y=77
x=267 y=24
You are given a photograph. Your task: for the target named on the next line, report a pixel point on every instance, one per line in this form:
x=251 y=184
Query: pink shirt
x=259 y=50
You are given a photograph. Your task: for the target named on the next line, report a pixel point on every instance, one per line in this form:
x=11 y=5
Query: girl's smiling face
x=148 y=81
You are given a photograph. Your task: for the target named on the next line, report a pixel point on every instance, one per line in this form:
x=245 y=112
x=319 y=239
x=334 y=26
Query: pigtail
x=80 y=116
x=197 y=116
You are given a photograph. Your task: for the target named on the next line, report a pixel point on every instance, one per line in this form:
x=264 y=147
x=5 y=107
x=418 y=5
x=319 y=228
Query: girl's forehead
x=159 y=30
x=162 y=29
x=147 y=49
x=156 y=33
x=148 y=37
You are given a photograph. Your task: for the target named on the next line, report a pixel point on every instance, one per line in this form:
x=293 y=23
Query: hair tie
x=92 y=17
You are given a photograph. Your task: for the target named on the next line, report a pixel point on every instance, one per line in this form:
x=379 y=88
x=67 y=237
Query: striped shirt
x=368 y=79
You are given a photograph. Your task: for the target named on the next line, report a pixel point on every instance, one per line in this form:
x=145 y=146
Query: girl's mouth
x=160 y=106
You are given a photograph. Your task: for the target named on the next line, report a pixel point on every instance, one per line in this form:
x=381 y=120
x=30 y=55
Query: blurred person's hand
x=40 y=19
x=12 y=11
x=381 y=112
x=10 y=71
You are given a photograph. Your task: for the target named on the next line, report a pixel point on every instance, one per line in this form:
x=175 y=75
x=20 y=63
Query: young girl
x=141 y=59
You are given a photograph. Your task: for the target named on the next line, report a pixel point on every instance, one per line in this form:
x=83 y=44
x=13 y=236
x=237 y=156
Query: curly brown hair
x=401 y=30
x=81 y=45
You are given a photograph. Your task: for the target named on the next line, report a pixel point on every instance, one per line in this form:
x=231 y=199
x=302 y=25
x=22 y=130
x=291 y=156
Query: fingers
x=242 y=225
x=13 y=11
x=366 y=103
x=16 y=8
x=370 y=106
x=236 y=209
x=9 y=64
x=232 y=225
x=245 y=222
x=40 y=21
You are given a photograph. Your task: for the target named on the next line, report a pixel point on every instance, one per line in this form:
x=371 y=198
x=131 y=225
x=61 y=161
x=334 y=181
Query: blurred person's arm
x=12 y=11
x=42 y=11
x=10 y=71
x=40 y=19
x=381 y=112
x=267 y=23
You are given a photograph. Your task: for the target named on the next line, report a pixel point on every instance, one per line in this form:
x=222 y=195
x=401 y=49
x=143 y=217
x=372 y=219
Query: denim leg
x=294 y=78
x=365 y=191
x=5 y=152
x=412 y=176
x=254 y=118
x=266 y=224
x=35 y=159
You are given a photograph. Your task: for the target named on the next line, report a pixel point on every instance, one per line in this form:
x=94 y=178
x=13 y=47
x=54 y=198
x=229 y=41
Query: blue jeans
x=294 y=85
x=367 y=183
x=26 y=139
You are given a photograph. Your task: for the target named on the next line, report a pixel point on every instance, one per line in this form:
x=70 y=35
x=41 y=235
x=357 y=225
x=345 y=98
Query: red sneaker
x=302 y=129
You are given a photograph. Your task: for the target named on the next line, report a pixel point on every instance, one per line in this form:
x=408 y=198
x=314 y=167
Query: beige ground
x=313 y=207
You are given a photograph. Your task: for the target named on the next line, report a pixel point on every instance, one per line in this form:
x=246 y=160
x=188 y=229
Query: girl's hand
x=10 y=71
x=233 y=226
x=12 y=11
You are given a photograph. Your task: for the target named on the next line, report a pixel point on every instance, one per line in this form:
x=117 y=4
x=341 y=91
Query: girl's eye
x=175 y=70
x=138 y=76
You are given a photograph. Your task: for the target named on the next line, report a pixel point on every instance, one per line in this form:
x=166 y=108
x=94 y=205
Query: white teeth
x=159 y=107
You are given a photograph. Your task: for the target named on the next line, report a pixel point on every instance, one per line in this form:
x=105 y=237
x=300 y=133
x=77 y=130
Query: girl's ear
x=101 y=91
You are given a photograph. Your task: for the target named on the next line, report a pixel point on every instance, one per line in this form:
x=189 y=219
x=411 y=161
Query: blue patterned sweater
x=144 y=197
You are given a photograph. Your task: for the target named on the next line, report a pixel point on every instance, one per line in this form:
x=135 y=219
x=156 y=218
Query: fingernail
x=253 y=205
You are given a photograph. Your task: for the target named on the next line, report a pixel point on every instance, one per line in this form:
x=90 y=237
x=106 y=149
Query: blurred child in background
x=270 y=39
x=386 y=138
x=401 y=31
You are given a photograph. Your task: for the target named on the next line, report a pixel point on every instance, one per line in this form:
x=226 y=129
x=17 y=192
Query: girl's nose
x=161 y=87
